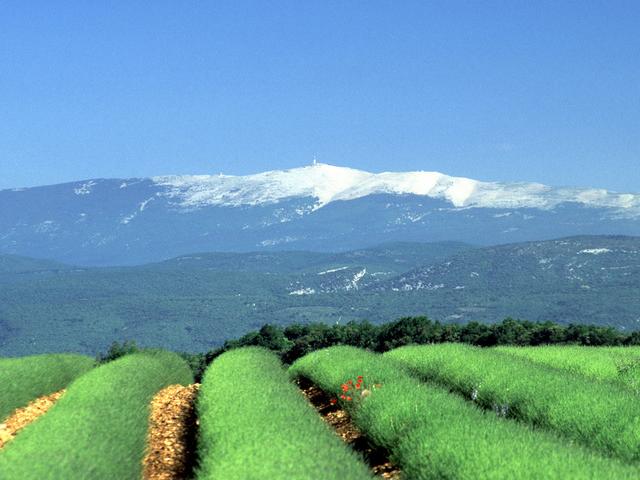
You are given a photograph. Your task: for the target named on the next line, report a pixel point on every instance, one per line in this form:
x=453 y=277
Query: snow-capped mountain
x=328 y=183
x=318 y=207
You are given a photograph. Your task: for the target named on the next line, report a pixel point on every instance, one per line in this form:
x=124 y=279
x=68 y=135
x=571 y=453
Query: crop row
x=603 y=416
x=24 y=379
x=435 y=434
x=98 y=428
x=255 y=424
x=615 y=364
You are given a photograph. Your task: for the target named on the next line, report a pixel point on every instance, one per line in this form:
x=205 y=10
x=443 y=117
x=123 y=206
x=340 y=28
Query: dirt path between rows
x=171 y=438
x=22 y=417
x=338 y=419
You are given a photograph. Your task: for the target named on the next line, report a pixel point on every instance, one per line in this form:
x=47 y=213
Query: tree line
x=296 y=340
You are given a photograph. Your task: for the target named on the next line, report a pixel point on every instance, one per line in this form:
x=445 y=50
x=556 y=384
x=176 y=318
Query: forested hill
x=196 y=302
x=578 y=263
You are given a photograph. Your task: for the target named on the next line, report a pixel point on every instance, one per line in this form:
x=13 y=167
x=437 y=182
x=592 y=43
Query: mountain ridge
x=318 y=208
x=328 y=183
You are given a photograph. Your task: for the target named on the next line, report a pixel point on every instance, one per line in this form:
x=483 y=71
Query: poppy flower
x=348 y=399
x=343 y=396
x=333 y=401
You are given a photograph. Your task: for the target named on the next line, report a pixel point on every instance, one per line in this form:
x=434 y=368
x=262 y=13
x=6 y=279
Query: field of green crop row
x=441 y=411
x=27 y=378
x=255 y=424
x=615 y=364
x=600 y=415
x=434 y=434
x=97 y=430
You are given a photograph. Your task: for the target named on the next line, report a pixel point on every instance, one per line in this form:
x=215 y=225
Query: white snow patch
x=407 y=287
x=276 y=241
x=144 y=204
x=85 y=188
x=128 y=218
x=353 y=285
x=375 y=274
x=303 y=291
x=595 y=251
x=327 y=183
x=332 y=270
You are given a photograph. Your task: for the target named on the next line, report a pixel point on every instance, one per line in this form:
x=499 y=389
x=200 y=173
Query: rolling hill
x=195 y=302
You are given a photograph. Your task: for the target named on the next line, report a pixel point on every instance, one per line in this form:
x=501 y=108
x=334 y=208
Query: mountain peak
x=327 y=183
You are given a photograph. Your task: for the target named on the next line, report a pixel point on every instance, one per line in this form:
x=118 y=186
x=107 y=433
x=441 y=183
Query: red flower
x=360 y=377
x=348 y=399
x=333 y=401
x=357 y=386
x=343 y=396
x=345 y=387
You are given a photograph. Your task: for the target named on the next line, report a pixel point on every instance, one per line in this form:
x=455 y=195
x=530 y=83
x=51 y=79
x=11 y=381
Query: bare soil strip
x=376 y=458
x=22 y=417
x=171 y=438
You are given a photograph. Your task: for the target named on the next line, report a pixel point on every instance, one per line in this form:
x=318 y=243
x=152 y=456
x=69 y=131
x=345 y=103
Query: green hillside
x=195 y=302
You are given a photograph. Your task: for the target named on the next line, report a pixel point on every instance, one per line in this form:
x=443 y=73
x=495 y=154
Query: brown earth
x=22 y=417
x=171 y=435
x=339 y=420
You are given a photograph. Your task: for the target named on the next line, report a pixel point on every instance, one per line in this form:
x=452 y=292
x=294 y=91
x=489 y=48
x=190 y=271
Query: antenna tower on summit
x=315 y=161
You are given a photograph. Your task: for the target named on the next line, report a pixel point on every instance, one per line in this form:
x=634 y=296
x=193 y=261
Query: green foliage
x=255 y=424
x=600 y=415
x=433 y=434
x=296 y=340
x=98 y=428
x=117 y=350
x=27 y=378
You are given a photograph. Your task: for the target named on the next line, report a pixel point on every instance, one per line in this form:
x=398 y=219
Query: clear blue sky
x=532 y=91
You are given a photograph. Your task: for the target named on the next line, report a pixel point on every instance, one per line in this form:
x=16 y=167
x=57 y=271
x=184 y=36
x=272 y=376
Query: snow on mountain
x=135 y=220
x=328 y=183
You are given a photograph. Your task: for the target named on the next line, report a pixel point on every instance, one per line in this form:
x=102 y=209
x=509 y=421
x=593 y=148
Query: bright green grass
x=97 y=430
x=603 y=416
x=255 y=424
x=616 y=364
x=27 y=378
x=434 y=434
